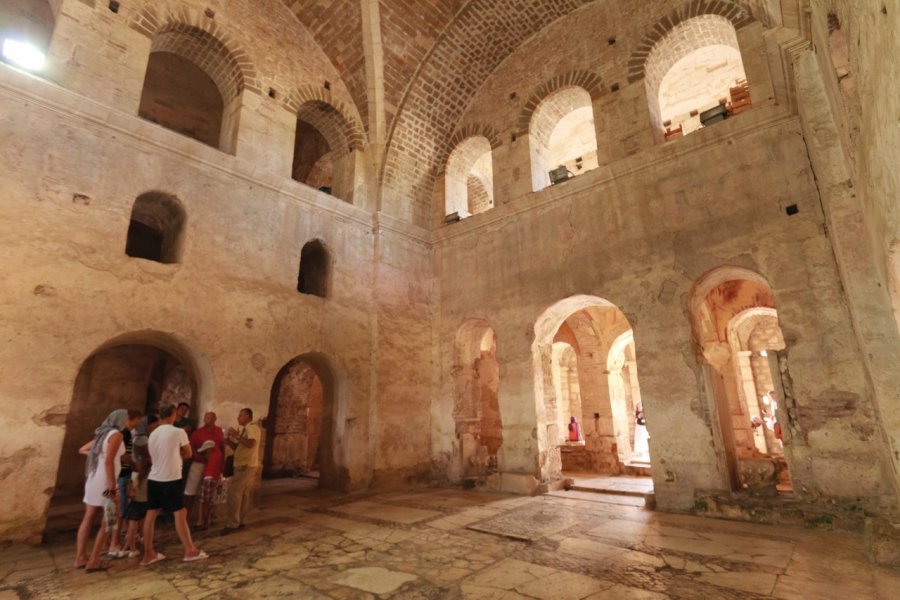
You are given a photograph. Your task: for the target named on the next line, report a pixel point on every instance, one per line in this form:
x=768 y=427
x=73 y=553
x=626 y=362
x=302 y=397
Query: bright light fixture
x=23 y=55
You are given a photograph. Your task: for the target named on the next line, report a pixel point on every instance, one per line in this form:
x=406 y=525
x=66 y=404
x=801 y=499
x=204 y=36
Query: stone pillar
x=752 y=45
x=512 y=170
x=263 y=133
x=747 y=389
x=94 y=53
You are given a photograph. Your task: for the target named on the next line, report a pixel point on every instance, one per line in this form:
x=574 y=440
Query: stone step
x=605 y=498
x=610 y=491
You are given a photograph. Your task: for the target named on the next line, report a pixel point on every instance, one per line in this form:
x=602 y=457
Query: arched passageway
x=476 y=410
x=134 y=373
x=738 y=334
x=301 y=437
x=586 y=366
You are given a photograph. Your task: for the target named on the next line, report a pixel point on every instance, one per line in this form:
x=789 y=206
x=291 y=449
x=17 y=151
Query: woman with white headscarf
x=104 y=461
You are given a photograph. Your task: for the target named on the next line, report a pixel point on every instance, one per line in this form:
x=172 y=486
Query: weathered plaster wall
x=639 y=234
x=71 y=171
x=846 y=108
x=104 y=55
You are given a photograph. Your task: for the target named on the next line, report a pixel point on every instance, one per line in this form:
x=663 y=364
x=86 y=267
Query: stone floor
x=430 y=543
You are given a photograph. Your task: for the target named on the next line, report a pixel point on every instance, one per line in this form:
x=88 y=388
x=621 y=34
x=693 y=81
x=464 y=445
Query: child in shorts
x=212 y=473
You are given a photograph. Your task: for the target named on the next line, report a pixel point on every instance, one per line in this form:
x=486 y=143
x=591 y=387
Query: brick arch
x=462 y=134
x=737 y=15
x=590 y=82
x=198 y=38
x=333 y=119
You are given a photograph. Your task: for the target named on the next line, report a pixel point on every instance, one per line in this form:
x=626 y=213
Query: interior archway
x=134 y=372
x=599 y=388
x=476 y=410
x=738 y=335
x=301 y=435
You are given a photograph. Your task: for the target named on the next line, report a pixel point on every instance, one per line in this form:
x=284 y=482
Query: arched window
x=26 y=27
x=314 y=270
x=695 y=77
x=562 y=137
x=469 y=178
x=323 y=157
x=156 y=228
x=193 y=86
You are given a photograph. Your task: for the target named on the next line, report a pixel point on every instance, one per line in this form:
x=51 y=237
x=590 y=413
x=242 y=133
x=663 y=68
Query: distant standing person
x=245 y=443
x=168 y=446
x=104 y=461
x=182 y=420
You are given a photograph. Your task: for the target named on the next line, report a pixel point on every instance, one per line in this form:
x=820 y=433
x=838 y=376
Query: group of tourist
x=139 y=466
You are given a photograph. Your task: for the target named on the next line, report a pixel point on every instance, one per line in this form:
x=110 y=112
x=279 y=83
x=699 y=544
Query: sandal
x=159 y=556
x=200 y=556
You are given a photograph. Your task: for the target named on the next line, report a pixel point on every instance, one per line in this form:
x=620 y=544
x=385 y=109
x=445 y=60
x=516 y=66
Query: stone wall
x=228 y=309
x=709 y=200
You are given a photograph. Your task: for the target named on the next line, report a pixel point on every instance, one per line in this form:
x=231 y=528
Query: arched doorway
x=135 y=372
x=300 y=427
x=739 y=337
x=586 y=367
x=476 y=410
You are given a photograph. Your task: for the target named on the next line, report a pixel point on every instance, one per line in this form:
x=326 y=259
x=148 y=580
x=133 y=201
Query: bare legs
x=99 y=543
x=84 y=533
x=181 y=528
x=149 y=529
x=184 y=533
x=131 y=536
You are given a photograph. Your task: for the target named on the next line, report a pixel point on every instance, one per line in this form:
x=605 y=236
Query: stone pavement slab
x=420 y=544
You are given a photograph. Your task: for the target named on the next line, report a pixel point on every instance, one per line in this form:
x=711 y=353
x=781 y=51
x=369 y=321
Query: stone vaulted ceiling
x=436 y=55
x=337 y=27
x=467 y=51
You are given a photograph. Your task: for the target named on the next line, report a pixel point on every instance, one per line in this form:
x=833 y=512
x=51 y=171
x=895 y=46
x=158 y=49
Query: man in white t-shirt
x=168 y=446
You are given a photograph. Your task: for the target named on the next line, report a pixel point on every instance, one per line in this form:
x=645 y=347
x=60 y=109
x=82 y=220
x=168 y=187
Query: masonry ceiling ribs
x=336 y=26
x=471 y=47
